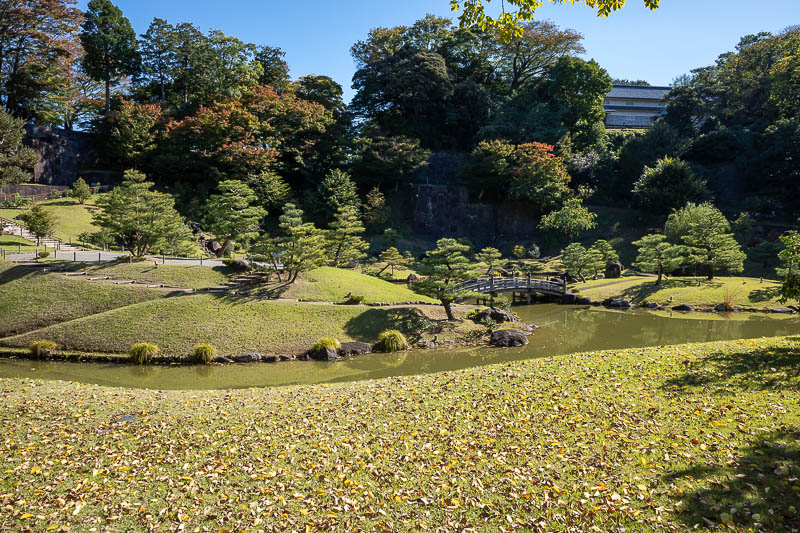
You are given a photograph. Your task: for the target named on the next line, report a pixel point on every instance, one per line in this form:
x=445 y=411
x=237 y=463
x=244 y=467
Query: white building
x=634 y=106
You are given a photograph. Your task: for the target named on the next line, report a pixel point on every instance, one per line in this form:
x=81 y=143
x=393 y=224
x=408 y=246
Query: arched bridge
x=514 y=284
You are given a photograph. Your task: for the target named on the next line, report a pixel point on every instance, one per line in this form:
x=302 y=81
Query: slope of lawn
x=11 y=243
x=673 y=438
x=233 y=325
x=72 y=217
x=184 y=276
x=30 y=299
x=744 y=292
x=329 y=284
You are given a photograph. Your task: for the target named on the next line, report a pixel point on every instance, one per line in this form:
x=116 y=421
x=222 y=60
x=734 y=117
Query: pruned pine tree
x=658 y=256
x=491 y=257
x=231 y=214
x=446 y=267
x=391 y=258
x=345 y=243
x=301 y=246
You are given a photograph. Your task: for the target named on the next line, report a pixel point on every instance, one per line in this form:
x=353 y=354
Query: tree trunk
x=448 y=310
x=108 y=96
x=660 y=272
x=710 y=271
x=225 y=245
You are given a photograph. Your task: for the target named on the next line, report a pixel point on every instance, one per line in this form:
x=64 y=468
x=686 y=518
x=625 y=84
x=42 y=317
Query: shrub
x=204 y=353
x=391 y=340
x=326 y=342
x=40 y=349
x=491 y=325
x=143 y=353
x=43 y=253
x=415 y=324
x=354 y=299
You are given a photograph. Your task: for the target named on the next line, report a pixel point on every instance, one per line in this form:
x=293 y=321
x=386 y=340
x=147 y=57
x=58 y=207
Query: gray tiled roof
x=638 y=91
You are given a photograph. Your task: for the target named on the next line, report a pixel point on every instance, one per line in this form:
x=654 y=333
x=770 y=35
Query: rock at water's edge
x=508 y=338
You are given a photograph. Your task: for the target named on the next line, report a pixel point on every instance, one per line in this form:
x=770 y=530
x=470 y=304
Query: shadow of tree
x=17 y=272
x=643 y=291
x=757 y=369
x=366 y=326
x=764 y=295
x=757 y=487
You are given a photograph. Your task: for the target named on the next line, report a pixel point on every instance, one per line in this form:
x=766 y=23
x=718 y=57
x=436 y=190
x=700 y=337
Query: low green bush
x=326 y=342
x=40 y=349
x=391 y=340
x=43 y=253
x=354 y=299
x=143 y=353
x=204 y=353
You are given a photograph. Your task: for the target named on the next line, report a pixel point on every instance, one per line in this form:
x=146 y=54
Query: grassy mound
x=233 y=325
x=329 y=284
x=658 y=439
x=11 y=243
x=190 y=277
x=73 y=218
x=746 y=292
x=30 y=299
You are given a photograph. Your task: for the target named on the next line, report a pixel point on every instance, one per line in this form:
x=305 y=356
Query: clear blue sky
x=634 y=43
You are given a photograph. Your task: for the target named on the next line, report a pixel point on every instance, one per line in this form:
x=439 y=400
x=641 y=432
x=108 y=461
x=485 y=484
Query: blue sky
x=633 y=43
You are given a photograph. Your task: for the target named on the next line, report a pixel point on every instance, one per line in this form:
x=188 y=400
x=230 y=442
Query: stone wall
x=63 y=156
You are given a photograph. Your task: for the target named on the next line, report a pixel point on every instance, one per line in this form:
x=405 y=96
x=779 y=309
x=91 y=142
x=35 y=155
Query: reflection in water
x=562 y=330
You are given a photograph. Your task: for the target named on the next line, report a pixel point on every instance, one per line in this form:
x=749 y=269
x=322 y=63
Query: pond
x=562 y=330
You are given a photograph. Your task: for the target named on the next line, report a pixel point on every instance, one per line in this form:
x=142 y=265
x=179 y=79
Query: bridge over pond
x=525 y=285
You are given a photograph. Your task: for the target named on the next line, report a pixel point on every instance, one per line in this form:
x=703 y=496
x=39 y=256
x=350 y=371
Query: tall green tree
x=392 y=258
x=607 y=251
x=345 y=241
x=570 y=220
x=658 y=256
x=159 y=56
x=143 y=219
x=668 y=185
x=335 y=191
x=580 y=262
x=80 y=191
x=790 y=266
x=446 y=267
x=301 y=246
x=110 y=45
x=16 y=159
x=271 y=189
x=231 y=215
x=712 y=245
x=40 y=221
x=384 y=160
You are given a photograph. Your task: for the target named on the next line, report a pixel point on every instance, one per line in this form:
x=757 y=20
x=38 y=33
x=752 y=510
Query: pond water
x=562 y=330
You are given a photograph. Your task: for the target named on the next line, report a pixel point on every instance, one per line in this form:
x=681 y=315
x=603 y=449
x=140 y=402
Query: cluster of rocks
x=326 y=354
x=387 y=304
x=492 y=313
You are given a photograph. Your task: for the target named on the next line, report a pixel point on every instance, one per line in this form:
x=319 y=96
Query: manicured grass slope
x=72 y=217
x=746 y=292
x=329 y=284
x=233 y=325
x=30 y=299
x=190 y=277
x=658 y=439
x=11 y=242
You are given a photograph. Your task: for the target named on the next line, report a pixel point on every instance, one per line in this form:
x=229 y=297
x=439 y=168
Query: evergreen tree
x=376 y=212
x=110 y=46
x=669 y=184
x=344 y=238
x=336 y=190
x=231 y=214
x=271 y=189
x=607 y=251
x=301 y=246
x=39 y=221
x=712 y=245
x=446 y=267
x=16 y=159
x=580 y=262
x=138 y=216
x=658 y=256
x=391 y=258
x=80 y=191
x=491 y=257
x=570 y=220
x=790 y=266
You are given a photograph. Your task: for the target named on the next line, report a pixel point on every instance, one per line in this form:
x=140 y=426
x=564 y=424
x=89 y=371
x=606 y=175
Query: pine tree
x=16 y=159
x=231 y=215
x=446 y=267
x=606 y=250
x=391 y=258
x=570 y=220
x=790 y=266
x=336 y=190
x=491 y=257
x=658 y=256
x=344 y=237
x=712 y=245
x=579 y=262
x=301 y=246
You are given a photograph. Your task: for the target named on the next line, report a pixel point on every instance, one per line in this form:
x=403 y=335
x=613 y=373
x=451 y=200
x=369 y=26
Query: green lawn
x=11 y=243
x=702 y=436
x=328 y=284
x=72 y=217
x=190 y=277
x=30 y=299
x=745 y=292
x=233 y=325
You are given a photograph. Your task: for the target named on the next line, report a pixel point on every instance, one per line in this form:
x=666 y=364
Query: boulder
x=213 y=246
x=652 y=305
x=240 y=265
x=614 y=269
x=498 y=315
x=325 y=354
x=412 y=278
x=683 y=307
x=531 y=327
x=624 y=304
x=425 y=344
x=223 y=360
x=584 y=301
x=508 y=338
x=355 y=348
x=248 y=358
x=286 y=357
x=270 y=359
x=722 y=308
x=782 y=310
x=569 y=299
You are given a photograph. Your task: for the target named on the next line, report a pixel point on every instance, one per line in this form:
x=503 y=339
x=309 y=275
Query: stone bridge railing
x=495 y=285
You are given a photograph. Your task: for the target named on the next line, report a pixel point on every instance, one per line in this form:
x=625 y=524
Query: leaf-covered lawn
x=658 y=439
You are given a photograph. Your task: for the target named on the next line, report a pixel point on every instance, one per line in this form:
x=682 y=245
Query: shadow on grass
x=642 y=292
x=764 y=295
x=756 y=369
x=17 y=272
x=760 y=483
